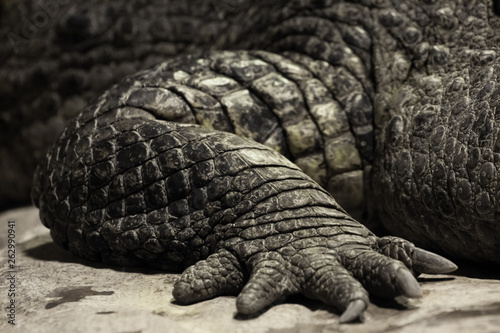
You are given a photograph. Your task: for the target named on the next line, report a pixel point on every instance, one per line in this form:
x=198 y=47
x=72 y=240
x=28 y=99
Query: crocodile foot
x=342 y=277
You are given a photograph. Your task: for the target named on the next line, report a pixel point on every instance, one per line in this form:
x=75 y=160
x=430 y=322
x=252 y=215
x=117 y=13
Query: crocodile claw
x=354 y=310
x=415 y=258
x=431 y=263
x=407 y=284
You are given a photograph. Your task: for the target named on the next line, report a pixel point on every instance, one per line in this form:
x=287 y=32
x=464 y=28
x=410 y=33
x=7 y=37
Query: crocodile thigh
x=436 y=177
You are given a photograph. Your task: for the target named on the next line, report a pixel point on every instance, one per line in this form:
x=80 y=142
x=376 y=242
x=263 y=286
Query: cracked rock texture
x=90 y=297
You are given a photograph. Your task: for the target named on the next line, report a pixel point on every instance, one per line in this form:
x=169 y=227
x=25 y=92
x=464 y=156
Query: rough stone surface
x=58 y=292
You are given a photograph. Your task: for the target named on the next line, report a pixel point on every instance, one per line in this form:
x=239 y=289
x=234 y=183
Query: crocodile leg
x=134 y=181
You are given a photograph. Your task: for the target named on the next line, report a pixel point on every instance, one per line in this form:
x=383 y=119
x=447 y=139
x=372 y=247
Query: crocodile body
x=56 y=55
x=134 y=181
x=387 y=106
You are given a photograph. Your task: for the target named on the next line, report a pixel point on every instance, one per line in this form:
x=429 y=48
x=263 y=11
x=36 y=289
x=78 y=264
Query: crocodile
x=385 y=108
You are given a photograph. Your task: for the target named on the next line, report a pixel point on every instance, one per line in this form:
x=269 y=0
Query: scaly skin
x=436 y=177
x=392 y=98
x=56 y=55
x=126 y=184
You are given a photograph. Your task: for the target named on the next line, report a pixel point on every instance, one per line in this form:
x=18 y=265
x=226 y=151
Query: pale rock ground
x=57 y=292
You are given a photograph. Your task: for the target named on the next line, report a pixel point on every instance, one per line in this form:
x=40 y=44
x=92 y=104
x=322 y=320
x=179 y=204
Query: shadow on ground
x=44 y=249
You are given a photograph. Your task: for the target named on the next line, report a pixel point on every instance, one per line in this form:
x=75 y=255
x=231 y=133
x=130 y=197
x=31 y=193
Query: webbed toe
x=416 y=259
